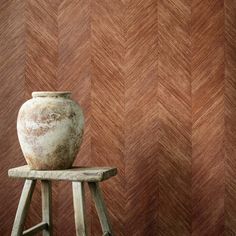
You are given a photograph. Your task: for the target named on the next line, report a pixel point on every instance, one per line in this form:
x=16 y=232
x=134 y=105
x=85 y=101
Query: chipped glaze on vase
x=50 y=130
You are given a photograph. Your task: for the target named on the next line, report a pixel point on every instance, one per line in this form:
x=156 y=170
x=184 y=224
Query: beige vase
x=50 y=130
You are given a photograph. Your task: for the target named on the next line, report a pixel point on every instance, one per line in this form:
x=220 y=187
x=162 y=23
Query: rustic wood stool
x=78 y=176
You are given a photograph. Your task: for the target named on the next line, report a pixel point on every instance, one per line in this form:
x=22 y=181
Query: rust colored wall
x=157 y=83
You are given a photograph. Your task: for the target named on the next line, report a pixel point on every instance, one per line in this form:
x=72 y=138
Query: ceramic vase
x=50 y=130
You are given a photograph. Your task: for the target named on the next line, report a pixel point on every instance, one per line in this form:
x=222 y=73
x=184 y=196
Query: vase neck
x=61 y=94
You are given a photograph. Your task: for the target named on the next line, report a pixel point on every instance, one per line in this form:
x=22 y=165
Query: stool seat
x=81 y=174
x=78 y=176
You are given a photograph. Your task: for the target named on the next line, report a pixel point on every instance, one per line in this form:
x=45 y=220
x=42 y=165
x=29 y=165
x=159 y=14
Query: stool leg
x=47 y=206
x=101 y=208
x=23 y=207
x=79 y=208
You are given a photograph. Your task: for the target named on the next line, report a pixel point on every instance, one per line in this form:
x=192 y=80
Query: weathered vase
x=50 y=130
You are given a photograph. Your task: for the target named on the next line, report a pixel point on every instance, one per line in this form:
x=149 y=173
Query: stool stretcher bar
x=35 y=229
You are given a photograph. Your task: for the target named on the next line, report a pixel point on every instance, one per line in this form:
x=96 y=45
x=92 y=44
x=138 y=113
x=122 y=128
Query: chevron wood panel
x=230 y=117
x=174 y=97
x=107 y=104
x=12 y=95
x=74 y=74
x=156 y=81
x=141 y=118
x=208 y=117
x=41 y=45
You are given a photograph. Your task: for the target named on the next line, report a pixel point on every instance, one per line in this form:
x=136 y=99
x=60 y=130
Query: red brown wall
x=157 y=83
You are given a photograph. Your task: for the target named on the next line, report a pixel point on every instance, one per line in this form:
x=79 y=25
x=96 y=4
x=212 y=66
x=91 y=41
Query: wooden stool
x=78 y=176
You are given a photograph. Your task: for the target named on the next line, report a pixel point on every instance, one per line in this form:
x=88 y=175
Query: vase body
x=50 y=130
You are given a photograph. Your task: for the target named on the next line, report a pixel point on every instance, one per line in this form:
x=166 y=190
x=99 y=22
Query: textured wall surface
x=157 y=83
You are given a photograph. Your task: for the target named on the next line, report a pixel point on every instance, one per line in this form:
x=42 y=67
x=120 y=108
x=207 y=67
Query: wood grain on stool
x=23 y=207
x=81 y=174
x=79 y=208
x=101 y=208
x=78 y=177
x=47 y=206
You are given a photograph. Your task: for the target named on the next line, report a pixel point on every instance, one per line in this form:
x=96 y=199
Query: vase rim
x=65 y=94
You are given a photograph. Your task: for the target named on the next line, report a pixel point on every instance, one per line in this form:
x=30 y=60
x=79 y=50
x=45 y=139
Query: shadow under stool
x=78 y=176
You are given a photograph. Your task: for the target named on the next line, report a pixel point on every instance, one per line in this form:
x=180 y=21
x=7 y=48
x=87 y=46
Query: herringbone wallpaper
x=157 y=83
